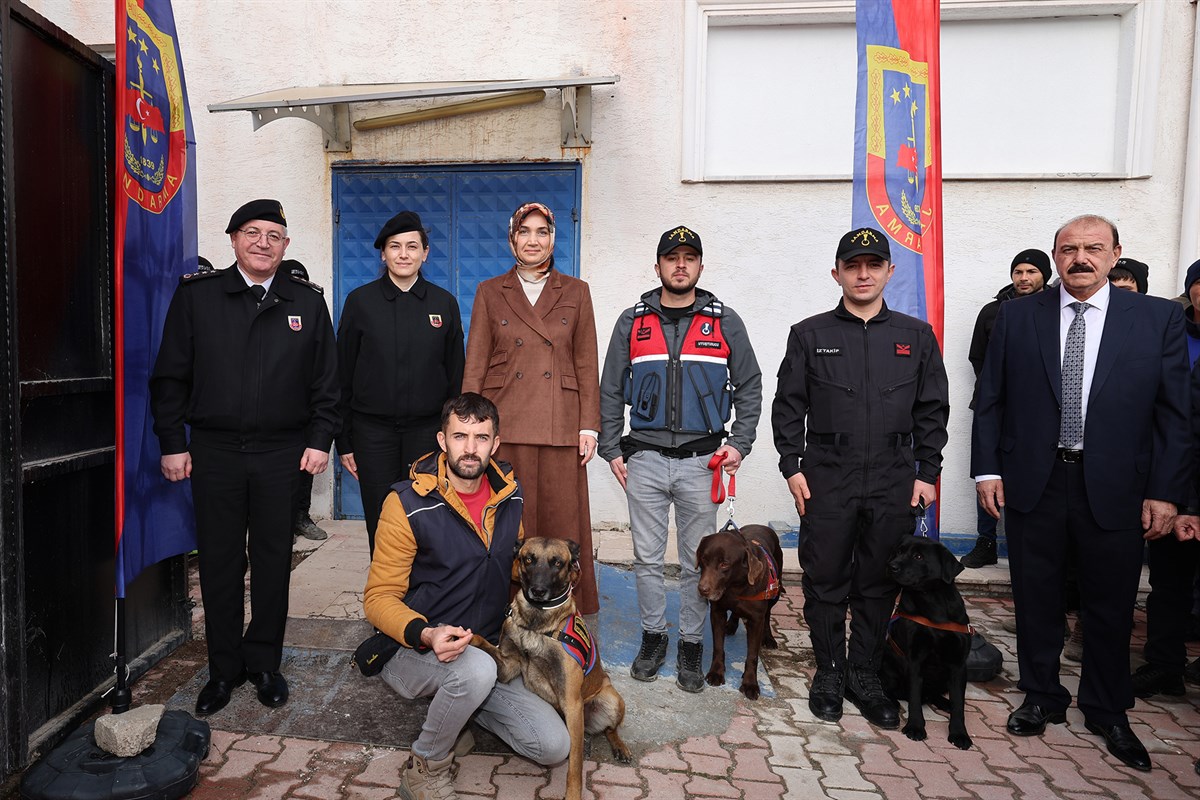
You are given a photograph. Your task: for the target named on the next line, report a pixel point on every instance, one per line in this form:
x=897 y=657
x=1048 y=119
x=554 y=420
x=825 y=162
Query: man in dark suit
x=1081 y=435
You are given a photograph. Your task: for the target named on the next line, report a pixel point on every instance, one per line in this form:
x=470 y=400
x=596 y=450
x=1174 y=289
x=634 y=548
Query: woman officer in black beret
x=400 y=354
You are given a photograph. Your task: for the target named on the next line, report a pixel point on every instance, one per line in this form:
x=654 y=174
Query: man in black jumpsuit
x=248 y=360
x=860 y=422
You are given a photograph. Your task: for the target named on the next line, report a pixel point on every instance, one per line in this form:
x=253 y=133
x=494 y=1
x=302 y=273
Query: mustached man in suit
x=1081 y=435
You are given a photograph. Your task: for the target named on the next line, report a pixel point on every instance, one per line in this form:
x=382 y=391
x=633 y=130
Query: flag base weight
x=79 y=770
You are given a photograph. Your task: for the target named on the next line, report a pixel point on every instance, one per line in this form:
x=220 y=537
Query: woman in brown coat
x=532 y=352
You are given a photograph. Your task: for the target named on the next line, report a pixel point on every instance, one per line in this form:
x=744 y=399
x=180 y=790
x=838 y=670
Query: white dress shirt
x=250 y=281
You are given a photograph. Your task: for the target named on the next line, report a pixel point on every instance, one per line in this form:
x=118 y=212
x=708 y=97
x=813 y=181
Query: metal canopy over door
x=466 y=210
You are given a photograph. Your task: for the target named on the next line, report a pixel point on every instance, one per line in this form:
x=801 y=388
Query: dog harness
x=952 y=627
x=577 y=642
x=772 y=589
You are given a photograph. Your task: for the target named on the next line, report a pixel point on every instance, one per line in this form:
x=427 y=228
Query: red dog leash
x=718 y=484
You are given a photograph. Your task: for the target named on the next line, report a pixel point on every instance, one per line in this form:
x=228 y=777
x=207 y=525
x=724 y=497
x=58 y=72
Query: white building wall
x=768 y=246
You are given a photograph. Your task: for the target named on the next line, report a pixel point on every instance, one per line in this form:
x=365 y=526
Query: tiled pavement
x=772 y=748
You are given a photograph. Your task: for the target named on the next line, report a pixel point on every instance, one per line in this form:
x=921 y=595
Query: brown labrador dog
x=929 y=638
x=545 y=641
x=740 y=579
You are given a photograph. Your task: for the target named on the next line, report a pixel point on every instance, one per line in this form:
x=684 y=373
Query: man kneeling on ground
x=441 y=572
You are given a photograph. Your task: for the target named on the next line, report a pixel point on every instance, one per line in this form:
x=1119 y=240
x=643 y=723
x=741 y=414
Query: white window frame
x=1142 y=24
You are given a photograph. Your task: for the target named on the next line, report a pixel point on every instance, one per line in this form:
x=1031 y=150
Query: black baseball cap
x=678 y=237
x=266 y=210
x=864 y=241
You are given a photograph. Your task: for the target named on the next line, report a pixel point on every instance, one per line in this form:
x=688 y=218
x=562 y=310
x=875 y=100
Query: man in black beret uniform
x=248 y=361
x=400 y=355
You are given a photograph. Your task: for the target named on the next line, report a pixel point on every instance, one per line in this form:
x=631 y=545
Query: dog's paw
x=914 y=732
x=960 y=740
x=750 y=690
x=714 y=678
x=621 y=754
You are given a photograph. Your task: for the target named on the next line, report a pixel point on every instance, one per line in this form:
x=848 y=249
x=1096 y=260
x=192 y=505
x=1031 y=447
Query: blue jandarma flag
x=898 y=152
x=155 y=244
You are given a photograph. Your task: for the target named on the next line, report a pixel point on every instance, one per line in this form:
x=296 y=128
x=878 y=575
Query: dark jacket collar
x=233 y=282
x=653 y=299
x=841 y=313
x=391 y=291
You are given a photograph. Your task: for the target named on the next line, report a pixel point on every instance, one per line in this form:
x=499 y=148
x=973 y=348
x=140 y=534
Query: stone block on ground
x=130 y=733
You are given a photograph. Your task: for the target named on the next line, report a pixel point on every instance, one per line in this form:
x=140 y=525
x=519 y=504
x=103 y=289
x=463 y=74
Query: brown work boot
x=422 y=779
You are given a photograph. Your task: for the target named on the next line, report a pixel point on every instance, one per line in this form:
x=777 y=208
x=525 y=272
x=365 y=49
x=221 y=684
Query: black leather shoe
x=1031 y=720
x=1123 y=744
x=215 y=695
x=272 y=688
x=1152 y=679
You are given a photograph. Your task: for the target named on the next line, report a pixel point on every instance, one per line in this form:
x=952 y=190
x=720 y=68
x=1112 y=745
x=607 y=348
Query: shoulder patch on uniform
x=188 y=277
x=315 y=287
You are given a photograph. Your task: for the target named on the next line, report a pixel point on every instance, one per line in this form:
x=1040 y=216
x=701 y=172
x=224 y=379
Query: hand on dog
x=798 y=486
x=446 y=641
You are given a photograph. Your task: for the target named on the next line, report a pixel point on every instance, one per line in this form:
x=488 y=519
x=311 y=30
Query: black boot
x=982 y=555
x=827 y=627
x=865 y=691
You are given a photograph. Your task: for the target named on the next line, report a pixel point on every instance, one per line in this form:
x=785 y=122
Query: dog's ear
x=755 y=567
x=950 y=565
x=574 y=548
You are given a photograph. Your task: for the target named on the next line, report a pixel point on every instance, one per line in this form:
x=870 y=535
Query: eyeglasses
x=254 y=235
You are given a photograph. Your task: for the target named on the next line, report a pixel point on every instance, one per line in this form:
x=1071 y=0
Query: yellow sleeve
x=387 y=582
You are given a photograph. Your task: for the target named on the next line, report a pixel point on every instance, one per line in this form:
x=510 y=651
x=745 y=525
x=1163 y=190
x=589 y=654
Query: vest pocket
x=712 y=401
x=646 y=397
x=497 y=371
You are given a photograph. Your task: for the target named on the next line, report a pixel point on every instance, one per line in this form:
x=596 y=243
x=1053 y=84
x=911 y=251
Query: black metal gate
x=56 y=415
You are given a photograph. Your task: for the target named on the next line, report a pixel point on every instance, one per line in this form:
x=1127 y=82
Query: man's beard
x=466 y=470
x=680 y=292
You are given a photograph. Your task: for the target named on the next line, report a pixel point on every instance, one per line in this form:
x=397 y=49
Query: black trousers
x=1109 y=566
x=384 y=453
x=243 y=504
x=302 y=497
x=1169 y=606
x=851 y=527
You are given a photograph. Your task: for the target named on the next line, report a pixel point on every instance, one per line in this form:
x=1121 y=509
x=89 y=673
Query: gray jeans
x=466 y=686
x=655 y=482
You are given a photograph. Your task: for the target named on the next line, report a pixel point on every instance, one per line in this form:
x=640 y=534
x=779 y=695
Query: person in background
x=1130 y=274
x=1029 y=271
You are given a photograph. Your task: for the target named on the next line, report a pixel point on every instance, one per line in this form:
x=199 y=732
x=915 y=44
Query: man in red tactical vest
x=682 y=361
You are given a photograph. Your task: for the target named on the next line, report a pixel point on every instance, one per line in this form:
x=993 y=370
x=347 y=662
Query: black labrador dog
x=929 y=638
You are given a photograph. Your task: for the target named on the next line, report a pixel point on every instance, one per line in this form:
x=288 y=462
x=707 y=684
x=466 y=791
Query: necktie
x=1070 y=431
x=259 y=293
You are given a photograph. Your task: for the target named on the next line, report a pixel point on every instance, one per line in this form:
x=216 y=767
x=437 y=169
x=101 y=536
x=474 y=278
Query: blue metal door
x=466 y=210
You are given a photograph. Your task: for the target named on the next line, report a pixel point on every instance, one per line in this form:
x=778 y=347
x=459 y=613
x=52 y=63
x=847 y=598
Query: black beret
x=1037 y=258
x=266 y=210
x=404 y=222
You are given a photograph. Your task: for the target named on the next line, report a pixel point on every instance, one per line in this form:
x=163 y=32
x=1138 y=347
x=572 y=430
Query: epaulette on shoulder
x=314 y=286
x=189 y=277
